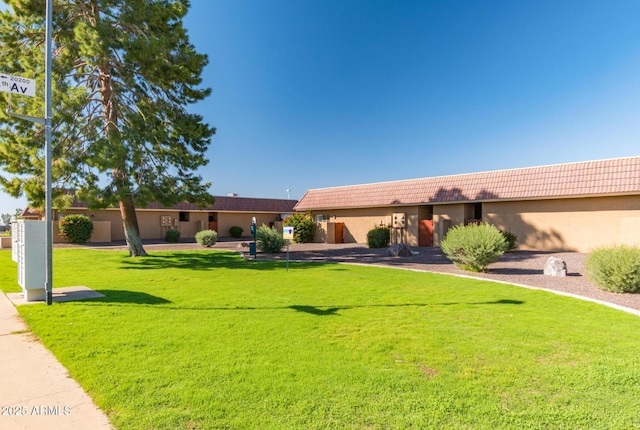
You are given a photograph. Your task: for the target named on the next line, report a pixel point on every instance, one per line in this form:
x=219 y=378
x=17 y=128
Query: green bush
x=206 y=238
x=511 y=239
x=379 y=237
x=76 y=228
x=474 y=246
x=172 y=236
x=615 y=269
x=303 y=227
x=236 y=231
x=269 y=240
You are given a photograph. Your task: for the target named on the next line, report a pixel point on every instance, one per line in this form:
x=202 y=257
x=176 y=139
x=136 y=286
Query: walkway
x=37 y=392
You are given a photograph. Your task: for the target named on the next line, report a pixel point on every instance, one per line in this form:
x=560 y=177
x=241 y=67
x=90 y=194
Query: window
x=472 y=211
x=322 y=218
x=184 y=217
x=477 y=210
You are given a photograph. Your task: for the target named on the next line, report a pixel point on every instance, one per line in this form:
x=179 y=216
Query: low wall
x=101 y=233
x=5 y=242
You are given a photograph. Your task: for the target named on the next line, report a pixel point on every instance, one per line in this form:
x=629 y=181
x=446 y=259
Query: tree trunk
x=131 y=230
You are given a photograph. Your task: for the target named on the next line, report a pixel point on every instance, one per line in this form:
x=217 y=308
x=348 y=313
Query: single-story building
x=572 y=207
x=155 y=219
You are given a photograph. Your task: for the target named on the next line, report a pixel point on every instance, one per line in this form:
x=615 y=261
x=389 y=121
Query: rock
x=399 y=250
x=555 y=267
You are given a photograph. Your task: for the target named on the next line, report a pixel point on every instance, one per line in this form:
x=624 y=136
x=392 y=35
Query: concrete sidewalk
x=36 y=391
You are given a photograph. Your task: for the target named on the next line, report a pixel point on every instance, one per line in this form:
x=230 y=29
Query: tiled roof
x=224 y=204
x=236 y=204
x=591 y=178
x=30 y=212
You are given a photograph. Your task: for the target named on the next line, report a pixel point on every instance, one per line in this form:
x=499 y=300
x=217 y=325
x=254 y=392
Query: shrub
x=269 y=240
x=303 y=227
x=236 y=231
x=379 y=237
x=511 y=239
x=172 y=236
x=76 y=228
x=474 y=246
x=206 y=238
x=615 y=269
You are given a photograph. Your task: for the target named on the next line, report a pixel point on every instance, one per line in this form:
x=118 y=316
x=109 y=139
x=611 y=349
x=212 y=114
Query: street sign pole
x=48 y=151
x=26 y=86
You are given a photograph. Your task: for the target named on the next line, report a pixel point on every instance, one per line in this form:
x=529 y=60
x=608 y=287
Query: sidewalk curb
x=38 y=392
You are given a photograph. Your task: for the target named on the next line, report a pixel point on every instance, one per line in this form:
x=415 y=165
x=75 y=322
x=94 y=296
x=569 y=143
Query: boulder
x=399 y=250
x=555 y=267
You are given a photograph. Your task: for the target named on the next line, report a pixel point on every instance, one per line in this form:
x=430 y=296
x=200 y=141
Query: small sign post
x=287 y=234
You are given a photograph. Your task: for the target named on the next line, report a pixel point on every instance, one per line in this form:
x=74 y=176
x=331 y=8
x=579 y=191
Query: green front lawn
x=207 y=340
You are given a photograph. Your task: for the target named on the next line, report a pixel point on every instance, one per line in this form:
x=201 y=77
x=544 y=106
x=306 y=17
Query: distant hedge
x=379 y=237
x=76 y=228
x=474 y=246
x=615 y=269
x=303 y=227
x=269 y=240
x=206 y=238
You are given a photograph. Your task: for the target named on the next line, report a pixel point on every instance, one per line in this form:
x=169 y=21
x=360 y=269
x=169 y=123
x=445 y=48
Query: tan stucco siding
x=151 y=227
x=101 y=232
x=358 y=222
x=107 y=224
x=226 y=220
x=445 y=217
x=569 y=224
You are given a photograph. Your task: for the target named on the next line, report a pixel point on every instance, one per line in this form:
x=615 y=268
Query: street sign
x=287 y=233
x=17 y=85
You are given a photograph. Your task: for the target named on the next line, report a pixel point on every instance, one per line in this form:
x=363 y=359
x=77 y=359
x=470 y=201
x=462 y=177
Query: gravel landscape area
x=516 y=267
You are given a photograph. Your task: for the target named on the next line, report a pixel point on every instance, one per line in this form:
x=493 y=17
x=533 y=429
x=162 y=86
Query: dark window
x=477 y=211
x=184 y=217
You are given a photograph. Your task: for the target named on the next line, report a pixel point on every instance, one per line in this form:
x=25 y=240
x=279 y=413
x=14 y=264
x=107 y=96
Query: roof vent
x=232 y=195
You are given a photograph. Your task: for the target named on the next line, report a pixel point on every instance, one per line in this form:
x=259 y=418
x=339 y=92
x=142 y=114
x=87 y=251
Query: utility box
x=398 y=220
x=29 y=250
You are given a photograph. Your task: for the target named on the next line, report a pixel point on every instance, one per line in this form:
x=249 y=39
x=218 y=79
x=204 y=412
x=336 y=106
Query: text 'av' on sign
x=17 y=85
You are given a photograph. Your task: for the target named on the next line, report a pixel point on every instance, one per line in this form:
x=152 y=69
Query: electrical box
x=29 y=250
x=165 y=221
x=398 y=220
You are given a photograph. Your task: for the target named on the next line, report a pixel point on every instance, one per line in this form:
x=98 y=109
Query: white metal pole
x=47 y=133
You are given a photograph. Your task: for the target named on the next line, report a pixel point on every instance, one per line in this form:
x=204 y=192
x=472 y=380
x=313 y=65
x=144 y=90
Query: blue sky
x=319 y=93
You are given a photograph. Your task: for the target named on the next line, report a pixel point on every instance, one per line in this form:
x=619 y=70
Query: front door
x=425 y=232
x=339 y=232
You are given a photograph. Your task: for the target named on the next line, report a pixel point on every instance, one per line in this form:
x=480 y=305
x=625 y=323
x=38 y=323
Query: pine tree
x=124 y=73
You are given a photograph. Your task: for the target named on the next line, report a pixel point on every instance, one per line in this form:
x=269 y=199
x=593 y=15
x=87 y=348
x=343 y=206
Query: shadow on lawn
x=333 y=310
x=131 y=297
x=324 y=311
x=204 y=261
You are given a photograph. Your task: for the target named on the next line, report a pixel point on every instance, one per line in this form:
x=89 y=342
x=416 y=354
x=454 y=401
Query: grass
x=206 y=340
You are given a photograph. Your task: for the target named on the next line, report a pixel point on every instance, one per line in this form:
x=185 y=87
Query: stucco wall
x=569 y=224
x=445 y=217
x=358 y=222
x=149 y=222
x=551 y=225
x=107 y=216
x=226 y=220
